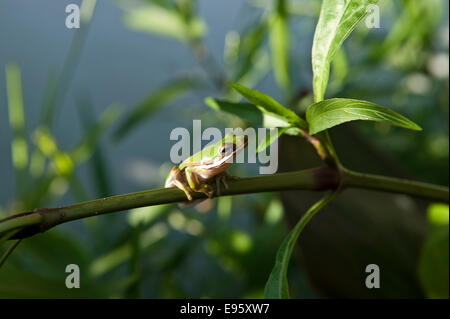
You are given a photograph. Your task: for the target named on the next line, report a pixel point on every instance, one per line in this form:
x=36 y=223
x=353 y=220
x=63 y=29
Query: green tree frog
x=211 y=163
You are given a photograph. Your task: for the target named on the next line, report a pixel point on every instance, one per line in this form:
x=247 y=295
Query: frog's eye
x=227 y=148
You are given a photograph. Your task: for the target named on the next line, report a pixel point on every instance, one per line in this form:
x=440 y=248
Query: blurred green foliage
x=225 y=247
x=434 y=266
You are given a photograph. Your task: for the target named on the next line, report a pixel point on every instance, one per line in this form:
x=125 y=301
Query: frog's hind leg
x=176 y=179
x=186 y=189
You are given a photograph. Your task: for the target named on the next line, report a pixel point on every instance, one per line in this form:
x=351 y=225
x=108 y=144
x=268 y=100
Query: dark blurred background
x=99 y=103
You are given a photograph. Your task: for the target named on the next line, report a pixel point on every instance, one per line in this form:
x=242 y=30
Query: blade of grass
x=61 y=88
x=252 y=41
x=279 y=45
x=97 y=164
x=153 y=103
x=19 y=145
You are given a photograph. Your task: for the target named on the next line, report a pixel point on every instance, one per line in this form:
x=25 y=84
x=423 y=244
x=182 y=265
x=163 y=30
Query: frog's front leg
x=196 y=184
x=221 y=178
x=177 y=178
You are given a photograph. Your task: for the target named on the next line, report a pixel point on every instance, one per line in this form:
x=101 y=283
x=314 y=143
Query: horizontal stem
x=41 y=219
x=395 y=185
x=318 y=179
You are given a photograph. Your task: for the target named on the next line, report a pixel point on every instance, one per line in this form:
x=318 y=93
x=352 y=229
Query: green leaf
x=277 y=284
x=279 y=46
x=246 y=111
x=326 y=114
x=254 y=117
x=269 y=106
x=153 y=103
x=252 y=42
x=337 y=20
x=163 y=21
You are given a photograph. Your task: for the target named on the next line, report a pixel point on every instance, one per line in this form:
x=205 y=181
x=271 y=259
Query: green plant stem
x=395 y=185
x=277 y=284
x=41 y=219
x=8 y=235
x=319 y=179
x=9 y=252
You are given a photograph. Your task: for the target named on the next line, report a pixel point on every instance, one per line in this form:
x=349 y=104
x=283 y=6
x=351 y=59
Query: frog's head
x=219 y=156
x=231 y=146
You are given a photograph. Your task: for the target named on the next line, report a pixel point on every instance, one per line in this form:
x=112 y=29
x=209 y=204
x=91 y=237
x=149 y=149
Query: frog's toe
x=207 y=190
x=188 y=195
x=209 y=193
x=218 y=186
x=224 y=182
x=187 y=192
x=221 y=179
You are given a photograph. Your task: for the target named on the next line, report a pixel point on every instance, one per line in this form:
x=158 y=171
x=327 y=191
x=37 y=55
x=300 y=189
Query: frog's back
x=201 y=158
